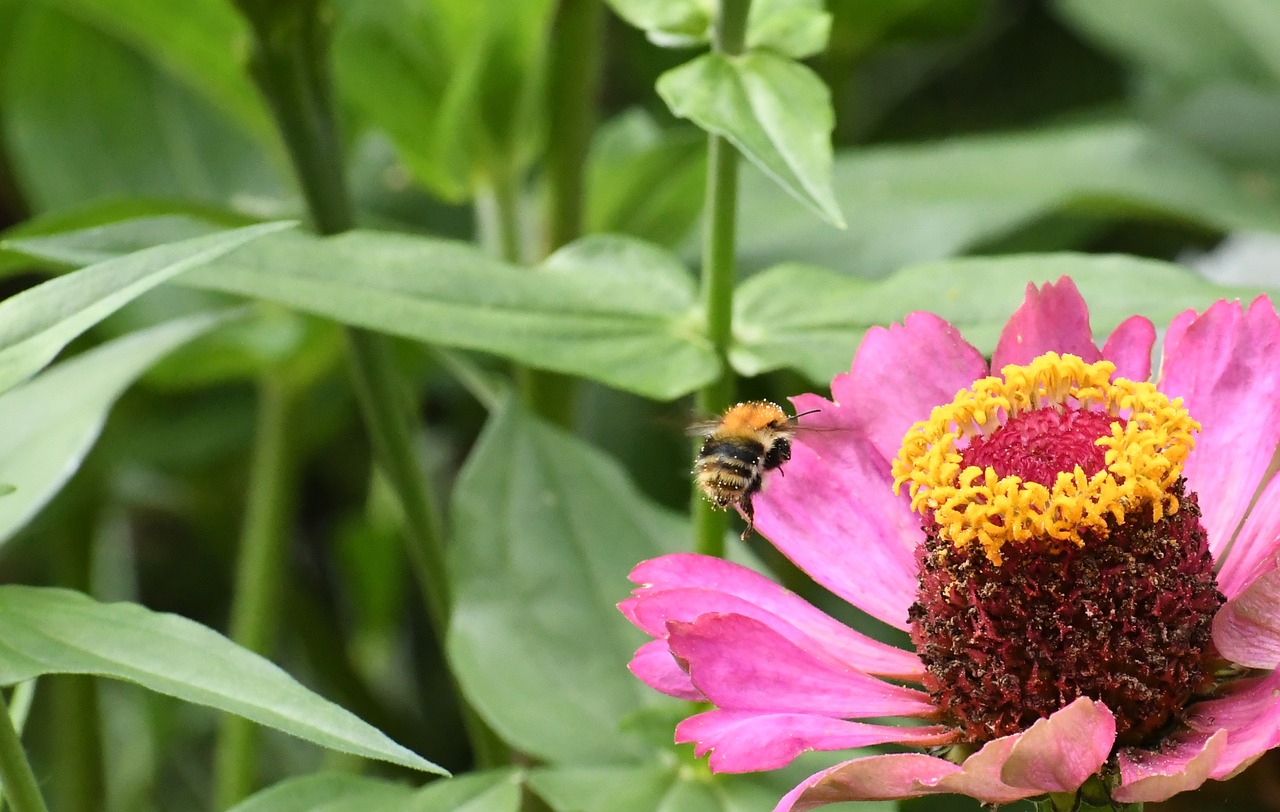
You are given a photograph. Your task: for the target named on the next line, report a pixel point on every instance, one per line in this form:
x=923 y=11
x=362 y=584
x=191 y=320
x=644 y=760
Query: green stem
x=77 y=718
x=20 y=707
x=573 y=82
x=289 y=63
x=575 y=58
x=384 y=404
x=290 y=66
x=497 y=208
x=718 y=272
x=15 y=771
x=255 y=611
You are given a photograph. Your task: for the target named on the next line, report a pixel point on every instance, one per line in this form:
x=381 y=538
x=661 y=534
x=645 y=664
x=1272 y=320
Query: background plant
x=409 y=446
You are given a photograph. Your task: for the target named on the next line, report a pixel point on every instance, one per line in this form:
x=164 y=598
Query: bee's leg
x=748 y=512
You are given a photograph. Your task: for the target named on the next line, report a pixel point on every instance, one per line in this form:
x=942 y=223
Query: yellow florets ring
x=970 y=504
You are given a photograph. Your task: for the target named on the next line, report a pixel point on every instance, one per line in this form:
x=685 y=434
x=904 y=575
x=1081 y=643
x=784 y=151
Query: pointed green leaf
x=776 y=111
x=57 y=631
x=547 y=529
x=37 y=323
x=611 y=309
x=812 y=320
x=54 y=418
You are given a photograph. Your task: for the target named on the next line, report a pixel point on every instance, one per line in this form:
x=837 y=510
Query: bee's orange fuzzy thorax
x=748 y=418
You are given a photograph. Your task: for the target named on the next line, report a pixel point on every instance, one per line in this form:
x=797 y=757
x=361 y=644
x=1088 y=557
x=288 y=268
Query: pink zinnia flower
x=1085 y=563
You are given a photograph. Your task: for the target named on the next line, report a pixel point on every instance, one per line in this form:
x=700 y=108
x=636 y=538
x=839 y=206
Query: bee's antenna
x=802 y=414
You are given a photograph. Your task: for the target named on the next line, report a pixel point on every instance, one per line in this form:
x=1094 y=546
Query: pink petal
x=899 y=375
x=1222 y=737
x=1247 y=629
x=878 y=778
x=1129 y=348
x=886 y=778
x=654 y=611
x=1148 y=776
x=1257 y=544
x=743 y=741
x=835 y=515
x=691 y=585
x=1250 y=715
x=1059 y=753
x=655 y=667
x=1223 y=364
x=740 y=663
x=1053 y=318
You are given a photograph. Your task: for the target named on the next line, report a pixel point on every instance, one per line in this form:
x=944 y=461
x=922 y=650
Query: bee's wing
x=701 y=428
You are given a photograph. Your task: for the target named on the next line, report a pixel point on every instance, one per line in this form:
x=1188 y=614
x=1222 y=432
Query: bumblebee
x=748 y=440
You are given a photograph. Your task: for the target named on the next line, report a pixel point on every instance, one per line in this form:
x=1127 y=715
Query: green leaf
x=87 y=118
x=456 y=86
x=606 y=308
x=37 y=323
x=490 y=791
x=56 y=631
x=777 y=112
x=54 y=418
x=104 y=212
x=198 y=43
x=676 y=788
x=1186 y=40
x=328 y=792
x=801 y=317
x=1200 y=63
x=546 y=530
x=795 y=28
x=670 y=23
x=910 y=204
x=644 y=181
x=639 y=788
x=812 y=320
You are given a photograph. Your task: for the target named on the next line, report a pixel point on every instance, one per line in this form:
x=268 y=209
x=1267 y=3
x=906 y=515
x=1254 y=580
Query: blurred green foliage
x=901 y=155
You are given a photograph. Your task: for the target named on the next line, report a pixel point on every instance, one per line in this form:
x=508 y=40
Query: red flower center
x=1110 y=597
x=1037 y=446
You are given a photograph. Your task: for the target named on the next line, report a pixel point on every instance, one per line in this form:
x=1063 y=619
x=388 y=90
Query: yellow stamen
x=970 y=505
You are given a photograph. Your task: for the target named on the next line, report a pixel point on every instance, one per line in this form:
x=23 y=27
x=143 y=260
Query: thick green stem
x=573 y=85
x=255 y=611
x=718 y=272
x=290 y=65
x=15 y=771
x=384 y=403
x=573 y=81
